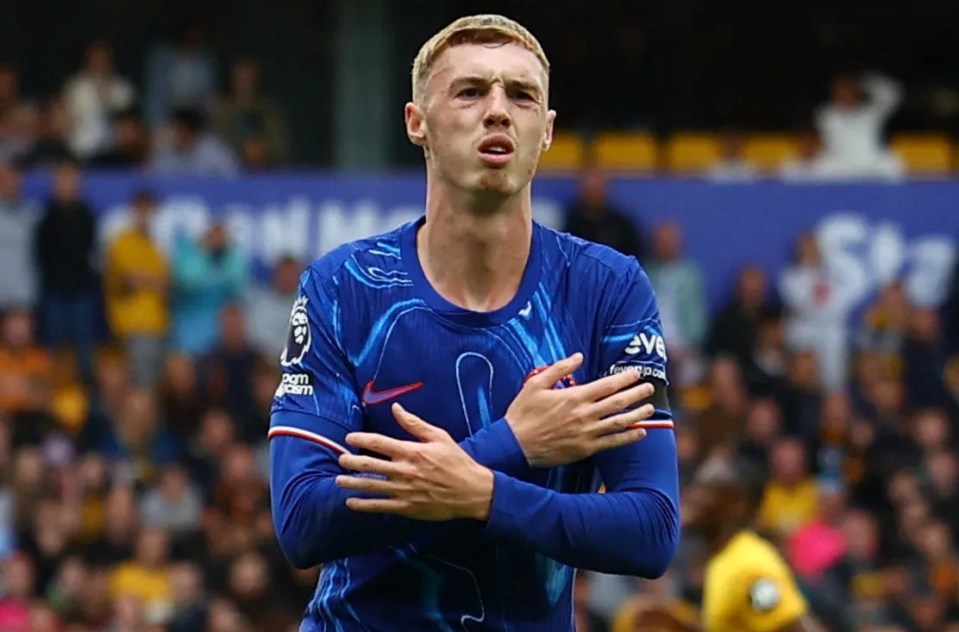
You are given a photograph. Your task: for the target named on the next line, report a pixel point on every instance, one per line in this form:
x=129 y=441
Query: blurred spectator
x=267 y=308
x=174 y=504
x=191 y=149
x=19 y=132
x=592 y=217
x=732 y=165
x=92 y=97
x=138 y=441
x=65 y=247
x=886 y=321
x=734 y=329
x=188 y=596
x=817 y=545
x=24 y=366
x=11 y=142
x=50 y=147
x=229 y=370
x=146 y=577
x=250 y=122
x=17 y=593
x=181 y=75
x=791 y=499
x=180 y=398
x=9 y=88
x=816 y=312
x=807 y=164
x=18 y=219
x=924 y=357
x=851 y=126
x=721 y=426
x=677 y=281
x=130 y=145
x=208 y=275
x=136 y=279
x=950 y=312
x=587 y=620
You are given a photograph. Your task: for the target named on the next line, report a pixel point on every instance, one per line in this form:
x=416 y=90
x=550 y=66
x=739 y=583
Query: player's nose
x=497 y=108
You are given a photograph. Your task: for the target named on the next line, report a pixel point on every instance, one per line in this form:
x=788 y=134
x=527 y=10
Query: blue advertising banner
x=870 y=234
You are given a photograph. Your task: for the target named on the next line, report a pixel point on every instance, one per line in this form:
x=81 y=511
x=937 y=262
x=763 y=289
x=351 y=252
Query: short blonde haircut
x=474 y=29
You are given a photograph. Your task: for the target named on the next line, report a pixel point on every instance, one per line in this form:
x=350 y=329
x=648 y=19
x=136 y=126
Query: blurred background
x=786 y=172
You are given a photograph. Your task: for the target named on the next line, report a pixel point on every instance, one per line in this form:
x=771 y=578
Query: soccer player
x=748 y=586
x=454 y=392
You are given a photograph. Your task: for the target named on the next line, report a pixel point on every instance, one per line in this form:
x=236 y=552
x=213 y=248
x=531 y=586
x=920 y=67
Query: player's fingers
x=367 y=484
x=547 y=377
x=416 y=426
x=624 y=420
x=619 y=439
x=378 y=505
x=606 y=386
x=622 y=400
x=378 y=443
x=371 y=465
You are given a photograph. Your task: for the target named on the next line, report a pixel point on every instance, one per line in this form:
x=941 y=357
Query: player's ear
x=548 y=137
x=415 y=124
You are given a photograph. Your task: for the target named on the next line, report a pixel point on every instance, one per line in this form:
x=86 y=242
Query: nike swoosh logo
x=372 y=398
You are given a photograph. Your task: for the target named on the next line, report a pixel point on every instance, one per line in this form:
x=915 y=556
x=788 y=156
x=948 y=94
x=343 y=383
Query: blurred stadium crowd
x=135 y=383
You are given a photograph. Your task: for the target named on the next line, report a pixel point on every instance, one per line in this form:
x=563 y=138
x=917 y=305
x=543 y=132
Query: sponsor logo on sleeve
x=298 y=337
x=764 y=595
x=649 y=343
x=295 y=384
x=646 y=371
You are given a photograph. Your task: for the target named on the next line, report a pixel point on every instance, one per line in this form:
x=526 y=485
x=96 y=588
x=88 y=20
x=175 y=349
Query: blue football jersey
x=368 y=329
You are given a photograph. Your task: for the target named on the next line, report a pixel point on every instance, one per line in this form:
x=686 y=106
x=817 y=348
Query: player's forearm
x=496 y=447
x=631 y=530
x=312 y=522
x=626 y=532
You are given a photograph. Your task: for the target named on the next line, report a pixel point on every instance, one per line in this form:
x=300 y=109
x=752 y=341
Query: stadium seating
x=691 y=152
x=629 y=151
x=769 y=151
x=928 y=154
x=566 y=153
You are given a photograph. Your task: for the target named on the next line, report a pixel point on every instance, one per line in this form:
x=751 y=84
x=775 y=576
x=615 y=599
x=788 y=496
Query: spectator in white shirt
x=93 y=97
x=851 y=127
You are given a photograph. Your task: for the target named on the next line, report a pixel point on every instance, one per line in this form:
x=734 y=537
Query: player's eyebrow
x=477 y=80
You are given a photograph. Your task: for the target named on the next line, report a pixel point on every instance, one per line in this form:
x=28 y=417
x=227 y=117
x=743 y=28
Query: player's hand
x=560 y=426
x=429 y=479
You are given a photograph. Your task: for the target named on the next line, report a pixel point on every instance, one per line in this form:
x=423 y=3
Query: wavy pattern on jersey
x=386 y=320
x=477 y=402
x=376 y=277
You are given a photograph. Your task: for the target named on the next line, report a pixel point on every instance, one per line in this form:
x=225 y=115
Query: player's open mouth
x=496 y=150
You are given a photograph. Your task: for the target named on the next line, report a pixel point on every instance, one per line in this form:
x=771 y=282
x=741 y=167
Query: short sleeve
x=317 y=377
x=632 y=338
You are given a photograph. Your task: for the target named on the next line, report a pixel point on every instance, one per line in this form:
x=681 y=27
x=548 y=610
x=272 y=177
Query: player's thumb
x=413 y=424
x=557 y=371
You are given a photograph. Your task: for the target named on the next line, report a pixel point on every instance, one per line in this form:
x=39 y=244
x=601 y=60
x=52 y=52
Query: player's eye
x=469 y=93
x=522 y=95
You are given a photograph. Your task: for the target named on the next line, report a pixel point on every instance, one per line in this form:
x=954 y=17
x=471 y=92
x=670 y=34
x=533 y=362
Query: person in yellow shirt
x=136 y=281
x=791 y=498
x=748 y=587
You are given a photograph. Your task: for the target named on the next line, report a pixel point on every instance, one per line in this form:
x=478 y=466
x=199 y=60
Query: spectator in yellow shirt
x=791 y=498
x=147 y=576
x=137 y=278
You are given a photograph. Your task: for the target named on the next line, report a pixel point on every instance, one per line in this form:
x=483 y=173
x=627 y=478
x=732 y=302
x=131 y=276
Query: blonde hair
x=474 y=29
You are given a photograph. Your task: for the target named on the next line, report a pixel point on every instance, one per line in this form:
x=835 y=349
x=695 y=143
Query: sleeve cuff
x=496 y=447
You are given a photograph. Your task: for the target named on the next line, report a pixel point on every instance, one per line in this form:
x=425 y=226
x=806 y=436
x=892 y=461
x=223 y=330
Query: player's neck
x=475 y=258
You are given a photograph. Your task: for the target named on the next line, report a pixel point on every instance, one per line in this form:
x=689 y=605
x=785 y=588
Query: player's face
x=484 y=118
